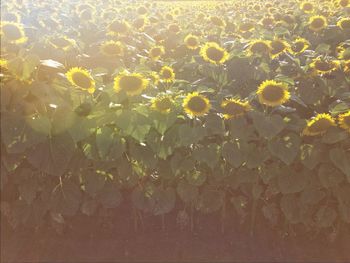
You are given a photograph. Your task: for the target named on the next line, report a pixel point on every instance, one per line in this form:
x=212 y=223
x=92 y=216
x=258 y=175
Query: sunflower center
x=277 y=47
x=81 y=80
x=273 y=92
x=163 y=104
x=320 y=126
x=298 y=46
x=166 y=74
x=345 y=23
x=130 y=83
x=323 y=66
x=232 y=108
x=317 y=23
x=192 y=41
x=116 y=26
x=197 y=104
x=12 y=32
x=215 y=54
x=259 y=47
x=308 y=7
x=156 y=52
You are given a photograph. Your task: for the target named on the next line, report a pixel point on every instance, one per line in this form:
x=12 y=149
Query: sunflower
x=131 y=83
x=118 y=27
x=259 y=47
x=63 y=43
x=318 y=125
x=322 y=66
x=267 y=21
x=167 y=74
x=213 y=53
x=139 y=23
x=246 y=26
x=344 y=121
x=317 y=23
x=299 y=46
x=344 y=53
x=217 y=21
x=81 y=78
x=278 y=46
x=307 y=7
x=12 y=32
x=344 y=3
x=154 y=77
x=191 y=42
x=273 y=93
x=162 y=103
x=156 y=52
x=112 y=48
x=196 y=104
x=344 y=23
x=174 y=28
x=233 y=108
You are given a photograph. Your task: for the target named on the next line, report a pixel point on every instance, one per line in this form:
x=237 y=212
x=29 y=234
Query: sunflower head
x=307 y=7
x=153 y=77
x=267 y=21
x=344 y=3
x=278 y=46
x=81 y=79
x=196 y=104
x=12 y=32
x=162 y=103
x=213 y=53
x=191 y=42
x=319 y=124
x=112 y=48
x=317 y=23
x=156 y=52
x=232 y=108
x=140 y=23
x=118 y=27
x=174 y=28
x=217 y=21
x=167 y=74
x=344 y=120
x=273 y=93
x=246 y=26
x=344 y=23
x=259 y=47
x=299 y=46
x=131 y=83
x=322 y=66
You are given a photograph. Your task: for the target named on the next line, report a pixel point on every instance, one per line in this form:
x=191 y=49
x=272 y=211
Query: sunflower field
x=179 y=108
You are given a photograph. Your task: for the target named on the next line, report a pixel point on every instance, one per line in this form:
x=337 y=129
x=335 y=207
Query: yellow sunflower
x=112 y=48
x=259 y=47
x=191 y=42
x=273 y=93
x=154 y=77
x=162 y=103
x=344 y=121
x=319 y=124
x=131 y=83
x=12 y=32
x=118 y=27
x=81 y=78
x=156 y=52
x=307 y=7
x=213 y=53
x=63 y=43
x=317 y=23
x=344 y=3
x=344 y=23
x=232 y=108
x=278 y=47
x=196 y=104
x=322 y=66
x=167 y=74
x=299 y=46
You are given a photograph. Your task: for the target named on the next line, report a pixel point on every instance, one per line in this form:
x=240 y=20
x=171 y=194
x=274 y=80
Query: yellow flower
x=162 y=103
x=322 y=66
x=233 y=108
x=317 y=23
x=307 y=7
x=140 y=23
x=191 y=42
x=318 y=125
x=344 y=120
x=112 y=48
x=63 y=43
x=344 y=3
x=344 y=53
x=278 y=46
x=118 y=27
x=273 y=93
x=259 y=46
x=299 y=46
x=81 y=78
x=167 y=74
x=12 y=32
x=156 y=52
x=131 y=83
x=196 y=104
x=3 y=63
x=154 y=77
x=213 y=53
x=344 y=23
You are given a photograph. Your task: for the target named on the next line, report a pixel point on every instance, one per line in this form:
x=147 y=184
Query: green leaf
x=325 y=216
x=240 y=129
x=255 y=156
x=290 y=181
x=93 y=182
x=340 y=159
x=187 y=192
x=207 y=154
x=27 y=190
x=214 y=125
x=312 y=155
x=268 y=126
x=82 y=128
x=291 y=208
x=286 y=148
x=40 y=124
x=89 y=207
x=330 y=176
x=109 y=144
x=233 y=154
x=210 y=201
x=164 y=200
x=334 y=135
x=110 y=196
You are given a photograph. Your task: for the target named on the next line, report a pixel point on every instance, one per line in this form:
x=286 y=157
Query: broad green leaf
x=340 y=159
x=268 y=126
x=233 y=154
x=286 y=147
x=187 y=192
